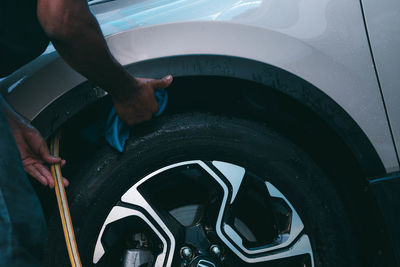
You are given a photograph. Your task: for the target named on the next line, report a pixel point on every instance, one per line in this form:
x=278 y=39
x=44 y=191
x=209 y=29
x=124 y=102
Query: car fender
x=312 y=42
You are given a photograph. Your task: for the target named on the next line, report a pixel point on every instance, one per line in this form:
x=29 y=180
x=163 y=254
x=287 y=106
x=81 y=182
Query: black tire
x=174 y=138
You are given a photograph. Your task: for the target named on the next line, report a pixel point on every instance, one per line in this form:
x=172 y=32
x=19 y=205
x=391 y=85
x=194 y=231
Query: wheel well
x=276 y=109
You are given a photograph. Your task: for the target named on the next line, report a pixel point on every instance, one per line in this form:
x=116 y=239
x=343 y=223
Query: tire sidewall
x=105 y=177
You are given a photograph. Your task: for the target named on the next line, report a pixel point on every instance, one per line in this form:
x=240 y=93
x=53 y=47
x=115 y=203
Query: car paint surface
x=383 y=24
x=322 y=41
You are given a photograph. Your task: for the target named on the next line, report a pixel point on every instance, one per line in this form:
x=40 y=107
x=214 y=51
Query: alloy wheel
x=203 y=213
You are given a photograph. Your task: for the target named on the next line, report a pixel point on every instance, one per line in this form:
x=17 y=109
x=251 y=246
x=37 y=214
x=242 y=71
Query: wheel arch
x=257 y=74
x=322 y=128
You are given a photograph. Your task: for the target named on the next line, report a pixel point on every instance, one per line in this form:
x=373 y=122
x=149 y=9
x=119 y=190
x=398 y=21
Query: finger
x=66 y=182
x=163 y=83
x=36 y=174
x=46 y=173
x=45 y=154
x=63 y=162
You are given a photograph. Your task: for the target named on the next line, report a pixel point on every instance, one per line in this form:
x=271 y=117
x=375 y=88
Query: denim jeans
x=22 y=224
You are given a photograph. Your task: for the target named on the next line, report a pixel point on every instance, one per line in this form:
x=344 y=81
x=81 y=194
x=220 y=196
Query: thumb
x=45 y=154
x=163 y=83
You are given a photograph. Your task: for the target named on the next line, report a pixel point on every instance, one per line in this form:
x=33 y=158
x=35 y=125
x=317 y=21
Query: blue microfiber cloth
x=117 y=132
x=114 y=130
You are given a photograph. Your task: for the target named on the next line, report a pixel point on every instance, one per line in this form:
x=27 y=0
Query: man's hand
x=140 y=105
x=33 y=150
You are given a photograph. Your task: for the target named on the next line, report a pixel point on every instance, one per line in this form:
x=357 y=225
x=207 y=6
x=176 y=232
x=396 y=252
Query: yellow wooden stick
x=63 y=206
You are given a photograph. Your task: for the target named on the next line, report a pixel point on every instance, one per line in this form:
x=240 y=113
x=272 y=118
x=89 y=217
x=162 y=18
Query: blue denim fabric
x=22 y=224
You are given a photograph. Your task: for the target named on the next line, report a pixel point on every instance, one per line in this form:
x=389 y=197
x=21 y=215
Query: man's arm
x=76 y=35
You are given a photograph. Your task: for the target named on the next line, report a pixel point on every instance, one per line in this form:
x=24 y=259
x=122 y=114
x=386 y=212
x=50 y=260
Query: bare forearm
x=77 y=37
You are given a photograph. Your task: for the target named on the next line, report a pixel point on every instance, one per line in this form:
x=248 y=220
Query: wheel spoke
x=284 y=246
x=118 y=213
x=233 y=173
x=165 y=221
x=177 y=229
x=296 y=225
x=212 y=211
x=299 y=254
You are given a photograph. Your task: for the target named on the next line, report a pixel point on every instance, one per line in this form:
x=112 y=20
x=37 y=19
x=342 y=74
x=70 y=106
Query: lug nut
x=215 y=250
x=186 y=253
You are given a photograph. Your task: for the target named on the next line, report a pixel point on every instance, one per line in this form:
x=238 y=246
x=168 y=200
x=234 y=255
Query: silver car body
x=323 y=42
